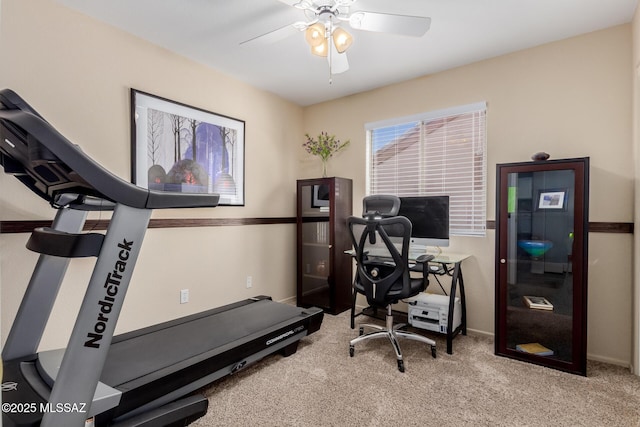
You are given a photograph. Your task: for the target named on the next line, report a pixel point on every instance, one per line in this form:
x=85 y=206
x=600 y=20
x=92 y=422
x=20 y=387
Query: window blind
x=435 y=153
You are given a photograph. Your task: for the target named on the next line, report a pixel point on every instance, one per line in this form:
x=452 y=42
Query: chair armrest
x=424 y=258
x=423 y=263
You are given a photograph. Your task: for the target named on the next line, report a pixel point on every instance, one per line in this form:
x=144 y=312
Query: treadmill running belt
x=145 y=354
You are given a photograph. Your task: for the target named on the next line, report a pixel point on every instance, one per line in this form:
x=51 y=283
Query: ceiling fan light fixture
x=315 y=34
x=322 y=49
x=341 y=39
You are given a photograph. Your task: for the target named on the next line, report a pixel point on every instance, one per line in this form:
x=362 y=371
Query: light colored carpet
x=321 y=385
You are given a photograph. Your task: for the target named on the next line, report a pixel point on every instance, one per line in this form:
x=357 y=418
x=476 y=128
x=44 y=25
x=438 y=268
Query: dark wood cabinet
x=541 y=262
x=324 y=271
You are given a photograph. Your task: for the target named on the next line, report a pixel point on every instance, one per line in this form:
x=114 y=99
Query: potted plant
x=325 y=146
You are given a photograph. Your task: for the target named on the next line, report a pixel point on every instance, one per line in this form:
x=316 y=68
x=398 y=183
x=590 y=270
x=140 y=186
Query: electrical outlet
x=184 y=296
x=249 y=282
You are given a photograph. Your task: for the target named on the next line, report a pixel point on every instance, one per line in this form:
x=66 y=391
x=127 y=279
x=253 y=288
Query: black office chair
x=382 y=258
x=384 y=206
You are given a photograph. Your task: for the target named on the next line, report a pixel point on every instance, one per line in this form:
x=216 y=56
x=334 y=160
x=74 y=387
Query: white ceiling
x=462 y=32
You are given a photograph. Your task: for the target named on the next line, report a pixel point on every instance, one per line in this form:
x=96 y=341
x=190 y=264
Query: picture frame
x=180 y=148
x=537 y=303
x=552 y=199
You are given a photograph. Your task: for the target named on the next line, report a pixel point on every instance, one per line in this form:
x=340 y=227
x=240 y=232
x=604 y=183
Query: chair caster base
x=352 y=350
x=433 y=351
x=401 y=365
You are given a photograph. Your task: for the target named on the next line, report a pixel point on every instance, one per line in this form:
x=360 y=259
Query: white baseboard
x=609 y=360
x=290 y=300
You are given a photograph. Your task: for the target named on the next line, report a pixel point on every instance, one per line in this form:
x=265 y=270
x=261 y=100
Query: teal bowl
x=535 y=248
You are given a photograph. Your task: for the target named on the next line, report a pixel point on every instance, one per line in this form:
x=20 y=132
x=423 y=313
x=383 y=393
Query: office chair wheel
x=433 y=351
x=401 y=365
x=361 y=331
x=351 y=350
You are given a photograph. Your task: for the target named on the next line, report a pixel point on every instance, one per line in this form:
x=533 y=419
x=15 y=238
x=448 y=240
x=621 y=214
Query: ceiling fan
x=326 y=36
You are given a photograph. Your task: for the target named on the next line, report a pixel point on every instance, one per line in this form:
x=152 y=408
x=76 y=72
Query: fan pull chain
x=330 y=61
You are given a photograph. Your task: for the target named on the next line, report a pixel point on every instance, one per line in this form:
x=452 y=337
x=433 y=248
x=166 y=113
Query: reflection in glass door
x=316 y=245
x=539 y=246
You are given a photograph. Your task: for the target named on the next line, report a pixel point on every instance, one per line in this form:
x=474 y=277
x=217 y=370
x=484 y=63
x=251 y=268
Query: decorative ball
x=540 y=156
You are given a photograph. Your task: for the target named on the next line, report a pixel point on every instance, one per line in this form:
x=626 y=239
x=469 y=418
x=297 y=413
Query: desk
x=449 y=265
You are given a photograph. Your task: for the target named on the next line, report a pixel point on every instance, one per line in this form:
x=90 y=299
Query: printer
x=431 y=312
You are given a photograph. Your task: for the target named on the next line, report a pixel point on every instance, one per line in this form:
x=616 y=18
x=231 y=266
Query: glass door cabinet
x=324 y=271
x=541 y=262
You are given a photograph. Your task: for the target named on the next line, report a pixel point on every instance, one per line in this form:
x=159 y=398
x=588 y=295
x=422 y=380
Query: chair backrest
x=384 y=204
x=382 y=257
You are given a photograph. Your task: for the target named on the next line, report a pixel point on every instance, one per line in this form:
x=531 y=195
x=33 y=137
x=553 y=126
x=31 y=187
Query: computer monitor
x=429 y=216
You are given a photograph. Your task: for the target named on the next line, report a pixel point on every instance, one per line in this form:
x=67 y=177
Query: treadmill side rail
x=49 y=241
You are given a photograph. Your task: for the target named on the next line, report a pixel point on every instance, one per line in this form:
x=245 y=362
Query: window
x=436 y=153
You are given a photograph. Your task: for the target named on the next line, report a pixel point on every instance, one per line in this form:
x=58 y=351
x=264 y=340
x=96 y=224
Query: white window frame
x=467 y=206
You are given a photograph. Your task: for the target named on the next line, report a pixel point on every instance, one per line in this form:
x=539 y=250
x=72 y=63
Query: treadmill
x=141 y=378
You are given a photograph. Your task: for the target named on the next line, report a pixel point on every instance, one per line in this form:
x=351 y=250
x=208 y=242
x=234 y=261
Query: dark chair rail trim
x=28 y=226
x=7 y=227
x=594 y=227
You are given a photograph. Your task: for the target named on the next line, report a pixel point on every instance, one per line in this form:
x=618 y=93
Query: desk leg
x=456 y=280
x=354 y=294
x=452 y=299
x=463 y=302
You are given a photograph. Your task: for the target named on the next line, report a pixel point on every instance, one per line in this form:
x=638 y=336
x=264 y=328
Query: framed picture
x=320 y=196
x=552 y=199
x=176 y=147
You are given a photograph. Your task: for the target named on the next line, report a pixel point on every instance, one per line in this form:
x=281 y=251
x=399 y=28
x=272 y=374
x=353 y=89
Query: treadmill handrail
x=108 y=185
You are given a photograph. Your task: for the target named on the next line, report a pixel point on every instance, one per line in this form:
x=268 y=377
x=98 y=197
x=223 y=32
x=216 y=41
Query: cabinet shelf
x=547 y=328
x=314 y=276
x=317 y=245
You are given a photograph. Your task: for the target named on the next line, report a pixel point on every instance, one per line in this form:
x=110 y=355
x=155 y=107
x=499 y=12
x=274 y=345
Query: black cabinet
x=324 y=271
x=541 y=262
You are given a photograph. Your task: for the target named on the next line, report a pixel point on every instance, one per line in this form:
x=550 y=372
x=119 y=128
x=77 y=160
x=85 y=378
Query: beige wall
x=77 y=73
x=570 y=98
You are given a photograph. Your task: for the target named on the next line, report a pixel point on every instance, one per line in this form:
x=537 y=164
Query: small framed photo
x=552 y=199
x=176 y=147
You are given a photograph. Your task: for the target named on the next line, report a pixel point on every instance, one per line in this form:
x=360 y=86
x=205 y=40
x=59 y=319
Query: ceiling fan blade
x=275 y=35
x=290 y=2
x=300 y=4
x=389 y=23
x=337 y=61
